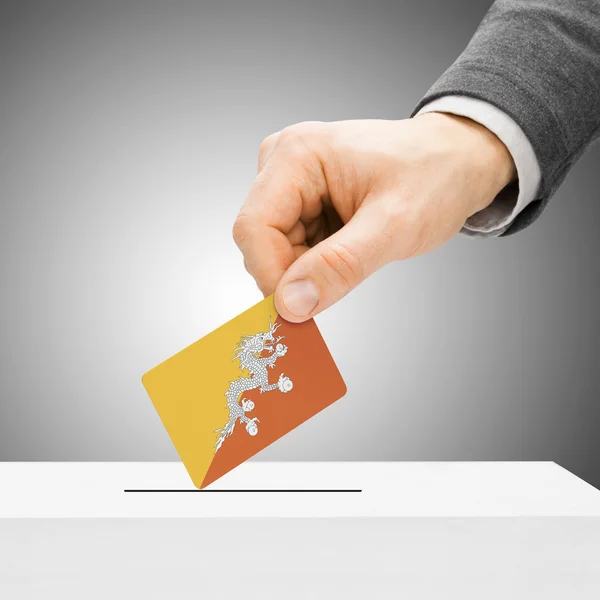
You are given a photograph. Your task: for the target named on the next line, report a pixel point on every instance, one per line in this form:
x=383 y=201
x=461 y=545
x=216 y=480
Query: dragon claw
x=252 y=427
x=284 y=384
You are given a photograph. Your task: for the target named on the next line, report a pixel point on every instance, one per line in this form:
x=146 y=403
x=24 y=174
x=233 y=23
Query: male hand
x=334 y=202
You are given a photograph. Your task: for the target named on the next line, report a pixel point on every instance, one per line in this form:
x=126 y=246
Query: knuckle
x=294 y=137
x=289 y=135
x=300 y=147
x=240 y=229
x=345 y=263
x=267 y=145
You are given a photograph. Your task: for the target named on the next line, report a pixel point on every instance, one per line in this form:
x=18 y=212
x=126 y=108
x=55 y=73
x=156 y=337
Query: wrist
x=483 y=156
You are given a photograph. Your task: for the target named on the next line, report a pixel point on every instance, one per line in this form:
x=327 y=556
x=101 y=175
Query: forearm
x=539 y=62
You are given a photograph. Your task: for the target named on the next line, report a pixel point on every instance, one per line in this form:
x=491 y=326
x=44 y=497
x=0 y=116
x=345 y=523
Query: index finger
x=283 y=194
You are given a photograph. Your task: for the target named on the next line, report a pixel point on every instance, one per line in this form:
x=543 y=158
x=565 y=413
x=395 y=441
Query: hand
x=334 y=202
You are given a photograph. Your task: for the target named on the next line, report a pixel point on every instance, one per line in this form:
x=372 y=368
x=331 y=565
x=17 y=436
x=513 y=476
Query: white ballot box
x=299 y=530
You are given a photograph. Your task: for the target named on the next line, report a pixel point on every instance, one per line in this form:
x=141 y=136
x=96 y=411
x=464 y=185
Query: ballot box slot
x=252 y=491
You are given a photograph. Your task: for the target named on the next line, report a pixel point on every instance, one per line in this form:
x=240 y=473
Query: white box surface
x=416 y=530
x=429 y=489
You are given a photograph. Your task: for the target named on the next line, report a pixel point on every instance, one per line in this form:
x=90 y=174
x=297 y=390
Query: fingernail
x=300 y=297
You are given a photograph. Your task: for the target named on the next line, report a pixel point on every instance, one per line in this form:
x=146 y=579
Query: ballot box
x=299 y=530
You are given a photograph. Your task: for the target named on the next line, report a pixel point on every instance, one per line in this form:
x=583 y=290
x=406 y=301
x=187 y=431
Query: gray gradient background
x=128 y=139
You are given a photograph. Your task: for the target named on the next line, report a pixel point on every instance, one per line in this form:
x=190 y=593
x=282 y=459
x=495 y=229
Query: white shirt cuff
x=498 y=216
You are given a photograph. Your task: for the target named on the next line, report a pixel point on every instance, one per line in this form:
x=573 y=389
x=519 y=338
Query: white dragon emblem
x=249 y=352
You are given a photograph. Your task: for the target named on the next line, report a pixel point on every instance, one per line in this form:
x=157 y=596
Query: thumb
x=325 y=273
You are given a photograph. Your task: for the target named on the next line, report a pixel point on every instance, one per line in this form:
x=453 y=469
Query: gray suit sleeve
x=539 y=62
